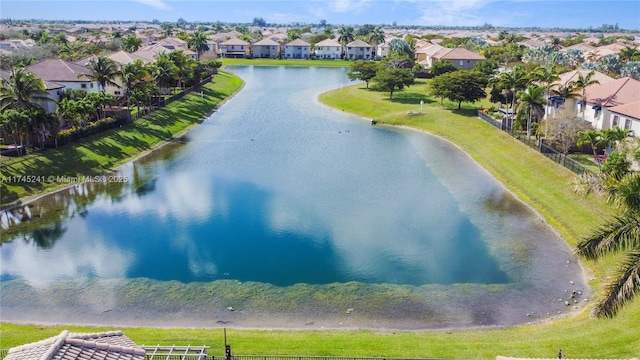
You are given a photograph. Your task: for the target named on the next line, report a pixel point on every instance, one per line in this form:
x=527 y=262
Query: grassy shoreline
x=104 y=152
x=579 y=336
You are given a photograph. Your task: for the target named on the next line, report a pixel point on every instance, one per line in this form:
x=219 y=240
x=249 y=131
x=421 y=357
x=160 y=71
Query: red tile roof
x=112 y=345
x=613 y=93
x=631 y=109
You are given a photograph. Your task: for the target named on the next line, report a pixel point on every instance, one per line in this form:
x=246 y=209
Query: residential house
x=120 y=58
x=421 y=53
x=602 y=97
x=86 y=346
x=52 y=88
x=297 y=49
x=66 y=73
x=461 y=58
x=584 y=48
x=566 y=79
x=328 y=49
x=169 y=44
x=382 y=50
x=266 y=48
x=234 y=48
x=626 y=117
x=359 y=50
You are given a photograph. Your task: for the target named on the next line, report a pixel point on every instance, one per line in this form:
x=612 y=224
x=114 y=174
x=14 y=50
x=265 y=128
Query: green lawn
x=535 y=179
x=281 y=62
x=101 y=153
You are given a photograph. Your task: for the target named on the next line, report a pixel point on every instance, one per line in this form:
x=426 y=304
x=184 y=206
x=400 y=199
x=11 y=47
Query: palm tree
x=104 y=71
x=132 y=74
x=23 y=91
x=582 y=84
x=593 y=56
x=164 y=71
x=198 y=43
x=629 y=54
x=15 y=123
x=513 y=81
x=376 y=36
x=620 y=233
x=346 y=35
x=547 y=75
x=131 y=43
x=530 y=100
x=593 y=138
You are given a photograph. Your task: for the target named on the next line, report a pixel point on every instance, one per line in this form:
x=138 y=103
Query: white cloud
x=345 y=6
x=158 y=4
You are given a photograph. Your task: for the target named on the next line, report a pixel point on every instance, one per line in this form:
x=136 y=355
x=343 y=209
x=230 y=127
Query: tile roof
x=458 y=54
x=123 y=57
x=328 y=42
x=234 y=41
x=617 y=92
x=266 y=42
x=297 y=42
x=631 y=109
x=575 y=74
x=358 y=43
x=112 y=345
x=59 y=70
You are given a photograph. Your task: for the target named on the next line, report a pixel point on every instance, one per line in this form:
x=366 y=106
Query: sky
x=513 y=13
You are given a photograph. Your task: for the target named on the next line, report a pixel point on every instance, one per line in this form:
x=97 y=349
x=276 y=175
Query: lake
x=280 y=212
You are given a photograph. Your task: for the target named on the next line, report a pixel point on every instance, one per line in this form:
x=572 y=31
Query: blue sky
x=514 y=13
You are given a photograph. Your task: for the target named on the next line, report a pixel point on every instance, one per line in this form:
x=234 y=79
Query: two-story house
x=234 y=48
x=328 y=49
x=297 y=49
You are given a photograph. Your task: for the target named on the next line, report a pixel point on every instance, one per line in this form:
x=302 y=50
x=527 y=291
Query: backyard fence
x=534 y=143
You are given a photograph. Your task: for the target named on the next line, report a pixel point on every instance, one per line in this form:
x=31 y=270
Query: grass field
x=535 y=179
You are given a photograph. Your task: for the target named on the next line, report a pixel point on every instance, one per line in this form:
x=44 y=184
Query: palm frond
x=623 y=288
x=621 y=233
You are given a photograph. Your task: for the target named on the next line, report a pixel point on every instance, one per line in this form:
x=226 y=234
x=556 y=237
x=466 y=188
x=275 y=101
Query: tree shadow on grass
x=465 y=112
x=410 y=98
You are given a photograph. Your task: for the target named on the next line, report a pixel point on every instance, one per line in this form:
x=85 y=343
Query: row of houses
x=296 y=49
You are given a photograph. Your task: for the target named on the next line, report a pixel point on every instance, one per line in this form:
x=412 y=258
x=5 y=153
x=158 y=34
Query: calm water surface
x=275 y=193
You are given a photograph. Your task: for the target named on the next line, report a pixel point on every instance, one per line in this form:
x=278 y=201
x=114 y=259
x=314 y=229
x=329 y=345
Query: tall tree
x=583 y=82
x=529 y=101
x=347 y=35
x=393 y=79
x=198 y=43
x=131 y=43
x=547 y=75
x=459 y=86
x=104 y=71
x=629 y=53
x=513 y=81
x=376 y=36
x=133 y=74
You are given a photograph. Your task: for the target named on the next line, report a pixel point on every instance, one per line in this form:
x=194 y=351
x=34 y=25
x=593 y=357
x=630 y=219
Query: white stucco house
x=266 y=48
x=328 y=49
x=359 y=50
x=617 y=94
x=626 y=117
x=66 y=73
x=297 y=49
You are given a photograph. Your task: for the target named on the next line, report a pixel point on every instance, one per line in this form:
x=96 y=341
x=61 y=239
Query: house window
x=117 y=93
x=627 y=124
x=461 y=62
x=596 y=113
x=83 y=86
x=616 y=121
x=91 y=85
